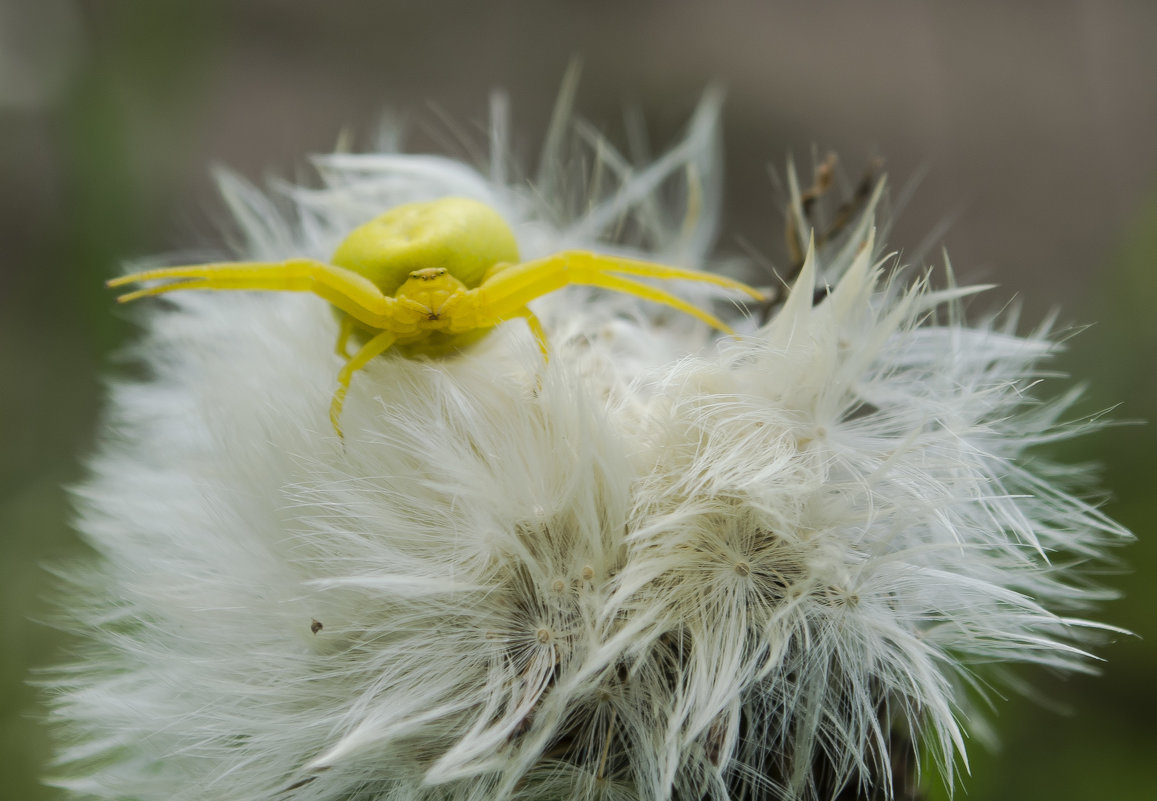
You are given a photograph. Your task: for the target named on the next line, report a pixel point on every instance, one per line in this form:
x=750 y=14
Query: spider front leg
x=505 y=293
x=354 y=294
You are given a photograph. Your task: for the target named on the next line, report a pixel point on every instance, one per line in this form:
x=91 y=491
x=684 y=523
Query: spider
x=429 y=278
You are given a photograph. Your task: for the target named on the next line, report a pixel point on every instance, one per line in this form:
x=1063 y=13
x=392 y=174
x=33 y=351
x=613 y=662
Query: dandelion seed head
x=659 y=566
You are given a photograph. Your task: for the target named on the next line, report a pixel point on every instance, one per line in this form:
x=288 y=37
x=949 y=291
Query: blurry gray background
x=1034 y=124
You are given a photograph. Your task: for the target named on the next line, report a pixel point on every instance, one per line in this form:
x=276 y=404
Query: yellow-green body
x=466 y=238
x=430 y=278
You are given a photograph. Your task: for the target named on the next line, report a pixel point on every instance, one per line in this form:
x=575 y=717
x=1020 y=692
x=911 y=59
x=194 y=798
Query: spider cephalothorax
x=430 y=278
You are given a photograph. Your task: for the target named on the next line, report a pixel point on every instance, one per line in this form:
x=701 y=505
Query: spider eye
x=429 y=273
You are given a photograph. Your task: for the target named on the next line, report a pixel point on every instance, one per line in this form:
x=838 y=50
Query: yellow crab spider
x=430 y=278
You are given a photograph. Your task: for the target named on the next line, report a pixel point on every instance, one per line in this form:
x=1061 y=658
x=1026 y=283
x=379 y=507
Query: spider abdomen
x=463 y=236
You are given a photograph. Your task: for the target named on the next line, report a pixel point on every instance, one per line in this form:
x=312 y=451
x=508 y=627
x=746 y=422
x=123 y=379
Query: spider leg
x=350 y=292
x=536 y=329
x=344 y=333
x=378 y=344
x=508 y=291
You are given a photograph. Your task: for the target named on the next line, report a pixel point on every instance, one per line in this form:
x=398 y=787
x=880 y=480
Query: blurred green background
x=1036 y=122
